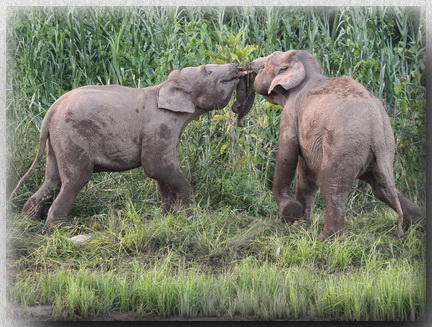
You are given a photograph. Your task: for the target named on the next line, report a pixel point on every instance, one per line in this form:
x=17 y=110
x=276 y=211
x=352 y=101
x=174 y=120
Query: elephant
x=116 y=128
x=332 y=132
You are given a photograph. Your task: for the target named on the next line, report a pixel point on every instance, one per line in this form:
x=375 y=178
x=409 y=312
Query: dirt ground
x=44 y=313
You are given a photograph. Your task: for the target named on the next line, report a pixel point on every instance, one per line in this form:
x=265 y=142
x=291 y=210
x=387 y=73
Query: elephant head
x=283 y=72
x=207 y=87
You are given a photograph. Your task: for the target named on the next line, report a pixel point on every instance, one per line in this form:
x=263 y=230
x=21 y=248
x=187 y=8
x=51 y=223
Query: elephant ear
x=289 y=78
x=175 y=98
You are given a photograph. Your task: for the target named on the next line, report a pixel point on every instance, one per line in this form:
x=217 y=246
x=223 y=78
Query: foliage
x=232 y=51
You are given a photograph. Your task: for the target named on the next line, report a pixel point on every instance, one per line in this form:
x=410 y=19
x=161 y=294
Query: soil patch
x=44 y=313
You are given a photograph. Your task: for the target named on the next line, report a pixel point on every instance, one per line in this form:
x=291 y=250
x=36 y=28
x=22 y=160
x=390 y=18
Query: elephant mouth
x=227 y=80
x=241 y=72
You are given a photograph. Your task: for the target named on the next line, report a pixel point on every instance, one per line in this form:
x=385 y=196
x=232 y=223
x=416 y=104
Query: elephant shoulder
x=340 y=87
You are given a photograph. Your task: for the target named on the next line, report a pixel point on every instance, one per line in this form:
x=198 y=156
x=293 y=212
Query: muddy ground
x=44 y=313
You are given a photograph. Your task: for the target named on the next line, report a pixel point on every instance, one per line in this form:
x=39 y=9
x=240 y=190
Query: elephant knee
x=151 y=172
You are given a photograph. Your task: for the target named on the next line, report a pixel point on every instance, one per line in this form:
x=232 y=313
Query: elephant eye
x=282 y=69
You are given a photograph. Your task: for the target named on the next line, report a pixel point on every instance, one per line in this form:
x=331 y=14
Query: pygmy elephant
x=116 y=128
x=332 y=131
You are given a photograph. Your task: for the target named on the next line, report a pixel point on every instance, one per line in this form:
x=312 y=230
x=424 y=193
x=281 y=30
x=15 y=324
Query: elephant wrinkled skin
x=116 y=128
x=332 y=131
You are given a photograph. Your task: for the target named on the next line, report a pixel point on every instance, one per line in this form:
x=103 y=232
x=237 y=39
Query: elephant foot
x=33 y=214
x=323 y=236
x=399 y=231
x=413 y=215
x=330 y=235
x=290 y=210
x=34 y=207
x=33 y=211
x=51 y=224
x=401 y=235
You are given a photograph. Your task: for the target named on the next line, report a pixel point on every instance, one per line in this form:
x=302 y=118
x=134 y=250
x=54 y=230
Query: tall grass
x=219 y=264
x=267 y=293
x=234 y=257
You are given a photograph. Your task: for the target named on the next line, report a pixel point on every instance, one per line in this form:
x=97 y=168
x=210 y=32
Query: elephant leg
x=160 y=162
x=290 y=210
x=306 y=189
x=35 y=205
x=334 y=185
x=167 y=196
x=176 y=189
x=74 y=178
x=180 y=188
x=411 y=213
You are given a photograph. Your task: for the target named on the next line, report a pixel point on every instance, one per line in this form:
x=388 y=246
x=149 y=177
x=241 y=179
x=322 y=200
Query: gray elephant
x=332 y=131
x=116 y=128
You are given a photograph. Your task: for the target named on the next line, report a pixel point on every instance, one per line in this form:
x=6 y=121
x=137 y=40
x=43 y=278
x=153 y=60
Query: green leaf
x=216 y=56
x=398 y=88
x=223 y=148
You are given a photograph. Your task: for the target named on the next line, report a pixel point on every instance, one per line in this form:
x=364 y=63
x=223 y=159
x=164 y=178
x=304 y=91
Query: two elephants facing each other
x=116 y=128
x=332 y=131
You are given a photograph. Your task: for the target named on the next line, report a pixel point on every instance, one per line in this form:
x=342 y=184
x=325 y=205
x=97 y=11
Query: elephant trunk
x=245 y=94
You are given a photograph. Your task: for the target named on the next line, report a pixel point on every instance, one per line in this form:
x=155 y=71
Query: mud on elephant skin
x=116 y=128
x=332 y=131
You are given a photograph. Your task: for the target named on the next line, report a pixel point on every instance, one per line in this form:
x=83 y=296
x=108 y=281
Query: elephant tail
x=384 y=177
x=384 y=142
x=44 y=134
